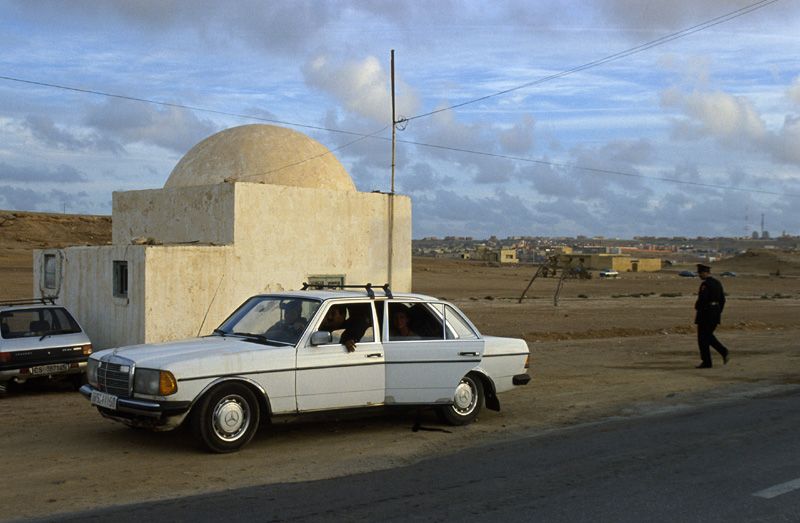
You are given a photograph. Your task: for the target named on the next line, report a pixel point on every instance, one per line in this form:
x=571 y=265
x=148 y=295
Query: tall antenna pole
x=390 y=238
x=394 y=124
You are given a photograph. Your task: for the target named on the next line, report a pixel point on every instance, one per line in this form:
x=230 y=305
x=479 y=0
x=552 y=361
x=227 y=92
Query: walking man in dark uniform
x=708 y=307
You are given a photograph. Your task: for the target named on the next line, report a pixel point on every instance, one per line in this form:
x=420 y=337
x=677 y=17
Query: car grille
x=114 y=375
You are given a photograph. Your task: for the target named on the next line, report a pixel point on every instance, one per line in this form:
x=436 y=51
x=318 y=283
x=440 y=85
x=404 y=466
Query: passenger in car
x=401 y=325
x=354 y=326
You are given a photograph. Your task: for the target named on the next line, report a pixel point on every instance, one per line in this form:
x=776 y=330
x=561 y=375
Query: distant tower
x=746 y=222
x=762 y=224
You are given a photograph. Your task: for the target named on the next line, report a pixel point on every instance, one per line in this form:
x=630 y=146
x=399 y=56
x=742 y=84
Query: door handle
x=467 y=353
x=374 y=355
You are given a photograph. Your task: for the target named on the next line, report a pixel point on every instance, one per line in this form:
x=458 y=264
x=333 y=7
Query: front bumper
x=157 y=415
x=521 y=379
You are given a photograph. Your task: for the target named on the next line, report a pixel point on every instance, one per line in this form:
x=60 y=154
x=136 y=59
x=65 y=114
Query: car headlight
x=91 y=371
x=154 y=382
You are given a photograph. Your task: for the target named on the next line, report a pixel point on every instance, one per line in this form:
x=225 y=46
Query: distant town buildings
x=641 y=253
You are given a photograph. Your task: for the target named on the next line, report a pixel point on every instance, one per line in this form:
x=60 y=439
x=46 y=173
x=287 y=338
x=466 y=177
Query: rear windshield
x=22 y=323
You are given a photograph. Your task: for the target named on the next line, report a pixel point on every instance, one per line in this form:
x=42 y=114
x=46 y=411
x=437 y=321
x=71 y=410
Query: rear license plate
x=101 y=399
x=55 y=368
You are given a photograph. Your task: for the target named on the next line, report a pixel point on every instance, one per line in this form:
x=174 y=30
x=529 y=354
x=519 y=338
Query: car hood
x=176 y=354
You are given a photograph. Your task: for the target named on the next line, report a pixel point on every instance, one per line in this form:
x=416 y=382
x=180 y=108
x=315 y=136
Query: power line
x=360 y=136
x=329 y=151
x=176 y=105
x=599 y=171
x=613 y=57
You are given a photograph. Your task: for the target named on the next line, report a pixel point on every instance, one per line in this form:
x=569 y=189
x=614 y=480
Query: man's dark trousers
x=706 y=338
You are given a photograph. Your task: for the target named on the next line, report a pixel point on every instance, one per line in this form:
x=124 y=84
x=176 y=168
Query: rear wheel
x=467 y=402
x=226 y=418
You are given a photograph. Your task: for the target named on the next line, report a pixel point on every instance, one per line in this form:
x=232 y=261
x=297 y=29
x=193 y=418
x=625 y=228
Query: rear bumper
x=521 y=379
x=30 y=372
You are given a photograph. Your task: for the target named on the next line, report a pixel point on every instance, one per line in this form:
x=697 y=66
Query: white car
x=289 y=353
x=40 y=340
x=609 y=273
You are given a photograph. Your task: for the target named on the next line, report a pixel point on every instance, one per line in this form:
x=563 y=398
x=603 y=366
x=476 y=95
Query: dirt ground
x=610 y=348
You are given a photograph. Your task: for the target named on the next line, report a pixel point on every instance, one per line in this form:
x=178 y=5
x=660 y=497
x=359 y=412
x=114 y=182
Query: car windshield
x=41 y=321
x=279 y=320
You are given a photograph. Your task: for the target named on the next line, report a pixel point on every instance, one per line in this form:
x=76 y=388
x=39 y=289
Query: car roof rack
x=368 y=287
x=28 y=301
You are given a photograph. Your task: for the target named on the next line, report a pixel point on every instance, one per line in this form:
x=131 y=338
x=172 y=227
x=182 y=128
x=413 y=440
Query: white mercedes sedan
x=308 y=351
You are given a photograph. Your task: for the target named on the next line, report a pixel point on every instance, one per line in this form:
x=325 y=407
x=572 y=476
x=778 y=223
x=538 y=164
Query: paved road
x=736 y=461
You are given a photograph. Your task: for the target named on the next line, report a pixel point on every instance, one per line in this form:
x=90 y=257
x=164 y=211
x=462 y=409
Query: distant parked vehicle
x=729 y=274
x=39 y=339
x=609 y=273
x=687 y=274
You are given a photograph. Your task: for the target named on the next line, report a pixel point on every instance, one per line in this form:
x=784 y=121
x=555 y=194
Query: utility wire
x=599 y=171
x=329 y=151
x=613 y=57
x=177 y=105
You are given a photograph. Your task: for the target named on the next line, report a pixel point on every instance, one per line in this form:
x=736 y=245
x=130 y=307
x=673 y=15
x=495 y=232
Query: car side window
x=349 y=321
x=457 y=326
x=412 y=321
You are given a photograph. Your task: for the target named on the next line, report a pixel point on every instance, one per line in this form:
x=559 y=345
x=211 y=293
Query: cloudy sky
x=697 y=135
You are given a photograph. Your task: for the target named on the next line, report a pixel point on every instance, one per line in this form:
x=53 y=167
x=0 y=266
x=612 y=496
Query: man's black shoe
x=703 y=366
x=726 y=358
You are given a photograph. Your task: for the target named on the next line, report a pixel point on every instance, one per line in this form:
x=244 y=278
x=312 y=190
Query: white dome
x=261 y=154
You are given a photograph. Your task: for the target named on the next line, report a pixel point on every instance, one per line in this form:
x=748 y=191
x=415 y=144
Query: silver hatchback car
x=39 y=339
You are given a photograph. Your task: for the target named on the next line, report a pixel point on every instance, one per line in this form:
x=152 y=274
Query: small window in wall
x=50 y=267
x=120 y=279
x=326 y=280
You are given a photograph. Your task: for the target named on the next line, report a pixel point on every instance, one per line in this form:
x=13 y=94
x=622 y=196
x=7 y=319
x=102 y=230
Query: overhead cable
x=600 y=171
x=613 y=57
x=177 y=105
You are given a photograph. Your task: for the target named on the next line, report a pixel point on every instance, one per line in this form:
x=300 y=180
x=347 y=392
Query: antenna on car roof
x=368 y=287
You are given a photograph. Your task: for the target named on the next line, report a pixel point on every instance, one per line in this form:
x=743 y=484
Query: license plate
x=101 y=399
x=54 y=368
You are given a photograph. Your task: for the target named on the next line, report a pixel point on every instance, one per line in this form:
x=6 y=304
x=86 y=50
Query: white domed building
x=251 y=209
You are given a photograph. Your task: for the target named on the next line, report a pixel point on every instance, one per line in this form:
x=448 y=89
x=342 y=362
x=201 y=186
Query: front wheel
x=226 y=418
x=467 y=402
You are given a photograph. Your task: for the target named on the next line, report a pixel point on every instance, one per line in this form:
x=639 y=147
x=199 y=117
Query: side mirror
x=321 y=338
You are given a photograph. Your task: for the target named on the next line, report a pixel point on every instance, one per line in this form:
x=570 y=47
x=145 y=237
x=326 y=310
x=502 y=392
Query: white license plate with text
x=101 y=399
x=55 y=368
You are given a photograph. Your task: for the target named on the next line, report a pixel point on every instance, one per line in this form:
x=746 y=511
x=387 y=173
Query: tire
x=226 y=418
x=467 y=402
x=78 y=380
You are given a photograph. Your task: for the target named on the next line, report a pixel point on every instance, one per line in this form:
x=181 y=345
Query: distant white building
x=251 y=209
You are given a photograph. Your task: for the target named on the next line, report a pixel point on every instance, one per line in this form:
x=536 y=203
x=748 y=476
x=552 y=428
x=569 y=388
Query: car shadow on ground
x=310 y=427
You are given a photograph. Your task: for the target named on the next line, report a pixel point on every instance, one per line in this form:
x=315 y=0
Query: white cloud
x=730 y=119
x=45 y=130
x=61 y=174
x=794 y=91
x=363 y=87
x=519 y=139
x=129 y=122
x=785 y=145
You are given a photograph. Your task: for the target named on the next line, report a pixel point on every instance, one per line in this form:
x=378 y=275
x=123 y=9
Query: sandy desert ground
x=611 y=348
